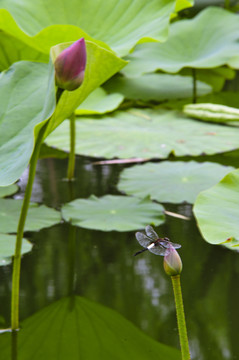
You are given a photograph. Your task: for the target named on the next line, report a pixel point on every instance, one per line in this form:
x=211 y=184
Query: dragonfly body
x=152 y=242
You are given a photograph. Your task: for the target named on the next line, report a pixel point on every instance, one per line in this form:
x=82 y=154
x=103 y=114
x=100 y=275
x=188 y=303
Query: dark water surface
x=100 y=266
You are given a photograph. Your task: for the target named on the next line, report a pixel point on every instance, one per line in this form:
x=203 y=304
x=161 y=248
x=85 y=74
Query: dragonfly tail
x=139 y=252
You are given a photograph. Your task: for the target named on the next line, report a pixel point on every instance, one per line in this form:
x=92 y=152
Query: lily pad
x=7 y=248
x=146 y=134
x=217 y=212
x=120 y=213
x=172 y=182
x=68 y=329
x=8 y=190
x=156 y=87
x=120 y=24
x=99 y=102
x=201 y=42
x=38 y=216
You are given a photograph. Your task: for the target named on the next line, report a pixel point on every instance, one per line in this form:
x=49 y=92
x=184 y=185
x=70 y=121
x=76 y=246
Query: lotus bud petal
x=172 y=262
x=70 y=66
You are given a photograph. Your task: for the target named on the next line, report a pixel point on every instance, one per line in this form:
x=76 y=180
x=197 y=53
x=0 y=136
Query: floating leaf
x=120 y=213
x=99 y=102
x=172 y=182
x=217 y=212
x=7 y=248
x=201 y=42
x=38 y=216
x=8 y=190
x=146 y=134
x=156 y=87
x=119 y=24
x=68 y=329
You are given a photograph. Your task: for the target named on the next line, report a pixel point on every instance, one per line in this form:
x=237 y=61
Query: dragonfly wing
x=143 y=239
x=167 y=244
x=159 y=250
x=151 y=233
x=176 y=246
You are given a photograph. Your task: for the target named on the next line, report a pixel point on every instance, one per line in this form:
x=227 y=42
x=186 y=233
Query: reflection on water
x=102 y=268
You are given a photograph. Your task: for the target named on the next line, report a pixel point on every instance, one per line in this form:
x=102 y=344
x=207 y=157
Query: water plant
x=127 y=99
x=173 y=267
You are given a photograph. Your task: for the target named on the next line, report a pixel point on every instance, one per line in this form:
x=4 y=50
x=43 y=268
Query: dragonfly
x=152 y=242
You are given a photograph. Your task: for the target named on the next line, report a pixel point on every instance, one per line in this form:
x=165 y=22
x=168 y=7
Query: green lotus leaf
x=182 y=4
x=77 y=328
x=201 y=42
x=119 y=24
x=27 y=99
x=8 y=190
x=120 y=213
x=13 y=50
x=172 y=182
x=38 y=216
x=156 y=87
x=216 y=211
x=99 y=102
x=145 y=134
x=7 y=248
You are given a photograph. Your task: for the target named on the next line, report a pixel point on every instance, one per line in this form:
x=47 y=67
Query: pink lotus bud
x=172 y=262
x=70 y=66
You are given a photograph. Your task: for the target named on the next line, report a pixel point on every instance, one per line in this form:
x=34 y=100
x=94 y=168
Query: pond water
x=99 y=266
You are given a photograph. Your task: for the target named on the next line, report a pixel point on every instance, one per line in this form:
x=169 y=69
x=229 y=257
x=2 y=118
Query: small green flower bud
x=172 y=262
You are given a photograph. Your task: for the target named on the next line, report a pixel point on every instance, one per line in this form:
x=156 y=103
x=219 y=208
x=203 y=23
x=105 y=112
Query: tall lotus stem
x=71 y=160
x=173 y=268
x=20 y=231
x=194 y=85
x=182 y=329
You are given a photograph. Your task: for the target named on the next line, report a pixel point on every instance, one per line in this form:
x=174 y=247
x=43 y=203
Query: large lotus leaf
x=27 y=98
x=120 y=213
x=7 y=248
x=13 y=50
x=38 y=216
x=99 y=102
x=201 y=42
x=8 y=190
x=23 y=90
x=77 y=328
x=120 y=24
x=146 y=134
x=182 y=4
x=217 y=212
x=156 y=87
x=101 y=65
x=172 y=182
